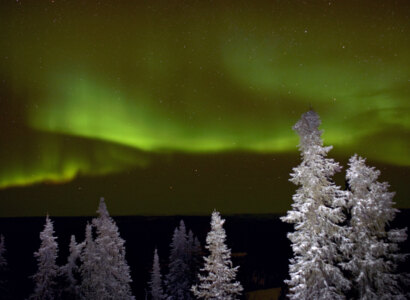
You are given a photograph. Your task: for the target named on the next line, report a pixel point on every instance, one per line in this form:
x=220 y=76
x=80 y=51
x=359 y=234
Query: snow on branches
x=317 y=212
x=372 y=258
x=218 y=280
x=45 y=278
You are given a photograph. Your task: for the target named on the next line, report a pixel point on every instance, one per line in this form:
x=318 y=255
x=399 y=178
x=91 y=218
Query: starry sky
x=180 y=107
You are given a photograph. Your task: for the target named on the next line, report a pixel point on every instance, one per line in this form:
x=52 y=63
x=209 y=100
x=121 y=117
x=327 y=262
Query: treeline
x=96 y=268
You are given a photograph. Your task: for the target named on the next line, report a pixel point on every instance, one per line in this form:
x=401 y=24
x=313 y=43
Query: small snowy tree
x=155 y=284
x=177 y=280
x=194 y=257
x=3 y=261
x=317 y=214
x=70 y=271
x=92 y=276
x=113 y=270
x=218 y=282
x=374 y=253
x=45 y=278
x=3 y=267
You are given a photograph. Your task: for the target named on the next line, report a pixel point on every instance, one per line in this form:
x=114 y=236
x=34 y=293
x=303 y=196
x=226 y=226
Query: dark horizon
x=235 y=183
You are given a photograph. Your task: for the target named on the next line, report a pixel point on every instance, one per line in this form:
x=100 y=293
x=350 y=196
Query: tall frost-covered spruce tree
x=373 y=257
x=317 y=213
x=177 y=280
x=92 y=275
x=194 y=251
x=70 y=272
x=3 y=261
x=184 y=262
x=3 y=267
x=155 y=285
x=110 y=250
x=104 y=271
x=218 y=281
x=45 y=278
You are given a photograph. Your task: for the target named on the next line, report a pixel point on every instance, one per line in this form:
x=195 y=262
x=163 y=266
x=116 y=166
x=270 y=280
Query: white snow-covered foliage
x=373 y=255
x=92 y=278
x=45 y=278
x=113 y=270
x=218 y=282
x=177 y=280
x=184 y=263
x=70 y=271
x=317 y=213
x=156 y=291
x=3 y=261
x=3 y=265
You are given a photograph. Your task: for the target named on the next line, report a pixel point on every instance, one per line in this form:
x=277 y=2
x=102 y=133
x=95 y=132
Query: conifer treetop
x=317 y=212
x=3 y=261
x=71 y=268
x=105 y=272
x=370 y=198
x=156 y=290
x=177 y=280
x=45 y=278
x=91 y=282
x=102 y=209
x=111 y=250
x=3 y=266
x=359 y=175
x=308 y=129
x=218 y=280
x=374 y=252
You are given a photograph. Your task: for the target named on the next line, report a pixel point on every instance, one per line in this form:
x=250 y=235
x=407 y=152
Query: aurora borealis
x=133 y=94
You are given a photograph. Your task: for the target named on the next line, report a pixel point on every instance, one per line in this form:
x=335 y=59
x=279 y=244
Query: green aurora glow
x=98 y=88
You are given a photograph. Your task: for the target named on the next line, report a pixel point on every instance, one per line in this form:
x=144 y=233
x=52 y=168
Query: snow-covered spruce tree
x=194 y=258
x=92 y=276
x=177 y=280
x=218 y=280
x=317 y=213
x=70 y=272
x=374 y=256
x=111 y=252
x=155 y=285
x=3 y=261
x=45 y=278
x=3 y=266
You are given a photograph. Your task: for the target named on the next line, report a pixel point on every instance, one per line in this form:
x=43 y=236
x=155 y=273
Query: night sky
x=180 y=107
